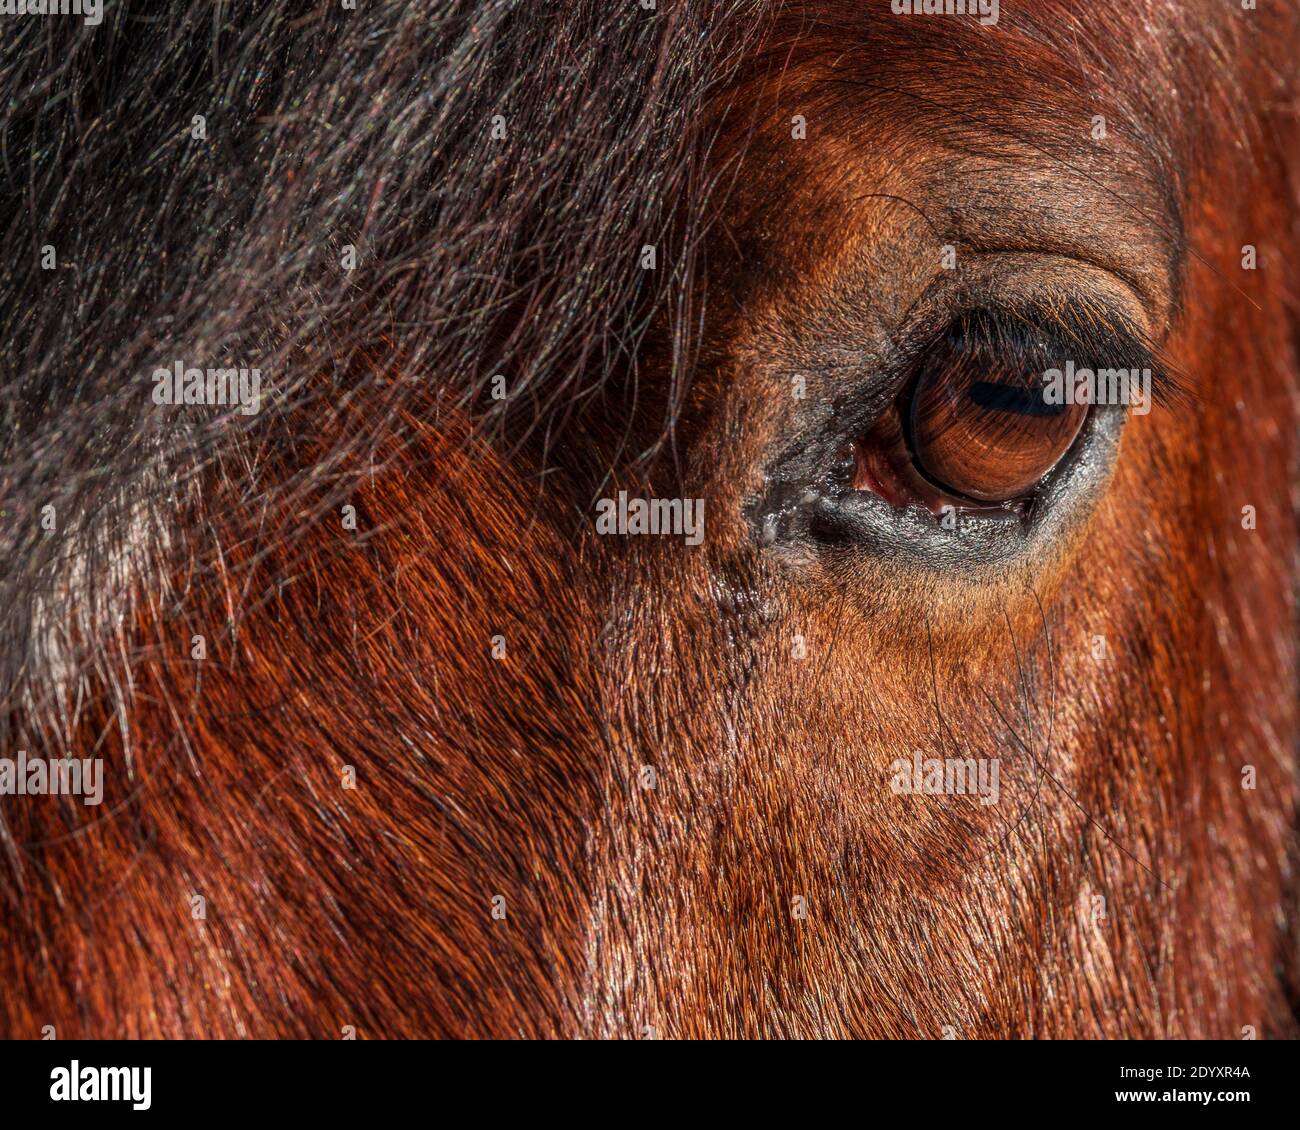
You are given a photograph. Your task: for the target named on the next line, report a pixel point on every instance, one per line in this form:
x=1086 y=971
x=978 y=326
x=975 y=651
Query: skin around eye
x=984 y=431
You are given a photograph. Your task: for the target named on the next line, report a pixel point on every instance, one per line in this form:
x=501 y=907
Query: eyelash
x=1036 y=337
x=812 y=491
x=995 y=440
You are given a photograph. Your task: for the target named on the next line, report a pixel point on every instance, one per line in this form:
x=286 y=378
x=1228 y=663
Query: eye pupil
x=984 y=431
x=1012 y=398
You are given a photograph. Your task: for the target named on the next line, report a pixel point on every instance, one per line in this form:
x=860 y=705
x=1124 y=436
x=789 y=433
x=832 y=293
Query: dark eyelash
x=1027 y=333
x=1035 y=337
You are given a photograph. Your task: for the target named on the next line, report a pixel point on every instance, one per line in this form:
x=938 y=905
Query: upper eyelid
x=1080 y=306
x=1093 y=335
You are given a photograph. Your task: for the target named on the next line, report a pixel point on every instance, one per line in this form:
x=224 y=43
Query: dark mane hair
x=325 y=128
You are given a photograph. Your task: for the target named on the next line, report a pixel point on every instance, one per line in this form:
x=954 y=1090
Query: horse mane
x=325 y=129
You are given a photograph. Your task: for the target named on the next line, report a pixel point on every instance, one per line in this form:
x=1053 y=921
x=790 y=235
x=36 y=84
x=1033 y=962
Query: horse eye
x=983 y=430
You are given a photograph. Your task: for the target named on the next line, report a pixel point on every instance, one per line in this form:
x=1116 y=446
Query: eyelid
x=1039 y=336
x=1076 y=309
x=1034 y=309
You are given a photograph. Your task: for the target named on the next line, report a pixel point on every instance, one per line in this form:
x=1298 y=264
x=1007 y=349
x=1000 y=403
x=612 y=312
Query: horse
x=647 y=592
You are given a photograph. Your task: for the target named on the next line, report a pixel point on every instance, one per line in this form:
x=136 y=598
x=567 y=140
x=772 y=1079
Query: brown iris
x=984 y=431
